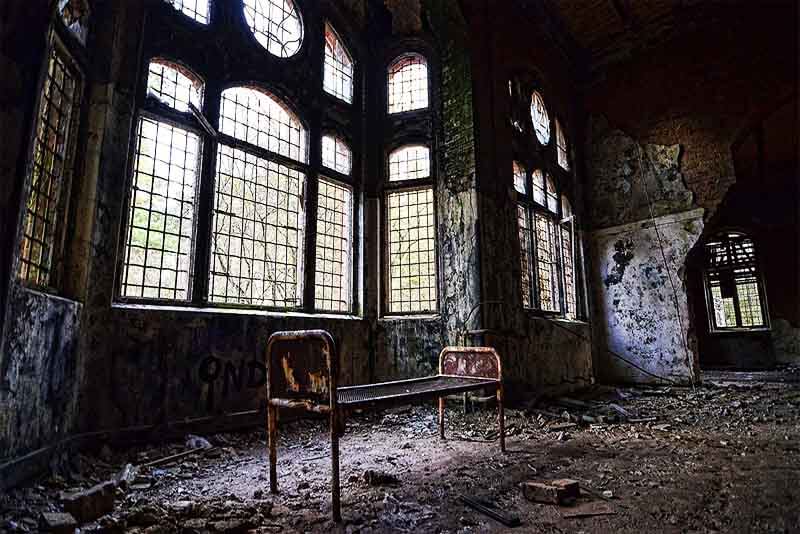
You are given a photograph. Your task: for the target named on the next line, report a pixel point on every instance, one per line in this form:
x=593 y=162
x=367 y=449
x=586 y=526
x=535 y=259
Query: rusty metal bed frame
x=302 y=373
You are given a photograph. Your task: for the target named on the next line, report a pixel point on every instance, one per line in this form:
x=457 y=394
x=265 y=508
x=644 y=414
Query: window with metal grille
x=520 y=180
x=411 y=162
x=157 y=262
x=735 y=290
x=525 y=255
x=174 y=85
x=50 y=170
x=75 y=14
x=412 y=251
x=547 y=262
x=408 y=83
x=540 y=119
x=258 y=232
x=195 y=9
x=338 y=73
x=336 y=154
x=333 y=275
x=276 y=25
x=255 y=116
x=552 y=194
x=568 y=258
x=561 y=147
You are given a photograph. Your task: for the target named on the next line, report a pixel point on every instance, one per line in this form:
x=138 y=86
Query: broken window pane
x=520 y=179
x=412 y=251
x=409 y=163
x=75 y=14
x=195 y=9
x=546 y=261
x=334 y=247
x=174 y=85
x=408 y=84
x=161 y=217
x=258 y=232
x=561 y=147
x=55 y=130
x=541 y=121
x=526 y=255
x=256 y=117
x=276 y=25
x=336 y=154
x=734 y=283
x=338 y=76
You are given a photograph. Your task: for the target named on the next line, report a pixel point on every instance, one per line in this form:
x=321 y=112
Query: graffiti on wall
x=223 y=378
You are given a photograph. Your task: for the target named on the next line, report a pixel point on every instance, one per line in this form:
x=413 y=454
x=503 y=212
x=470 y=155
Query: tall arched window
x=568 y=258
x=561 y=147
x=337 y=78
x=194 y=9
x=234 y=234
x=276 y=25
x=734 y=287
x=408 y=83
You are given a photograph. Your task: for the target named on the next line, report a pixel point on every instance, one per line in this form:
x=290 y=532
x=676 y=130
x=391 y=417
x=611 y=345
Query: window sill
x=741 y=331
x=399 y=318
x=234 y=311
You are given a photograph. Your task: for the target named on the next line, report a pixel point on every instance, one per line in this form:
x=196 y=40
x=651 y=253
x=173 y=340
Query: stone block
x=90 y=504
x=562 y=491
x=58 y=523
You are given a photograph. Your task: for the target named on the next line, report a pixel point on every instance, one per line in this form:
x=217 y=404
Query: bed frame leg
x=441 y=417
x=272 y=437
x=502 y=418
x=335 y=493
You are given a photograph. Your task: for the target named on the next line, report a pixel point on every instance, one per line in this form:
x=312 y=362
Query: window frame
x=317 y=117
x=396 y=59
x=64 y=42
x=713 y=328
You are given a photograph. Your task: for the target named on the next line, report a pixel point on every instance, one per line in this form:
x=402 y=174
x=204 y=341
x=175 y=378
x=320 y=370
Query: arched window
x=336 y=154
x=408 y=83
x=540 y=119
x=411 y=162
x=735 y=290
x=195 y=9
x=338 y=75
x=561 y=147
x=568 y=257
x=174 y=85
x=520 y=180
x=162 y=207
x=276 y=25
x=255 y=116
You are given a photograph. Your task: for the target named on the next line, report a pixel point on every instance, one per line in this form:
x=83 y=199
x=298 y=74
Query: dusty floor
x=724 y=458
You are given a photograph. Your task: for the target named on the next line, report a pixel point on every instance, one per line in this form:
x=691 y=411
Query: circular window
x=541 y=122
x=276 y=25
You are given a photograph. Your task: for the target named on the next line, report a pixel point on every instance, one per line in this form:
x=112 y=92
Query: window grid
x=526 y=254
x=568 y=268
x=276 y=25
x=408 y=84
x=338 y=70
x=256 y=117
x=174 y=86
x=552 y=195
x=158 y=250
x=258 y=232
x=409 y=163
x=336 y=154
x=734 y=285
x=546 y=262
x=412 y=251
x=194 y=9
x=333 y=276
x=540 y=119
x=539 y=196
x=520 y=179
x=561 y=147
x=55 y=130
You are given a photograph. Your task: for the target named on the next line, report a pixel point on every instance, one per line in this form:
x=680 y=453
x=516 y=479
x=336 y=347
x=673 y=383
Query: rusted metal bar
x=308 y=406
x=272 y=433
x=506 y=519
x=441 y=417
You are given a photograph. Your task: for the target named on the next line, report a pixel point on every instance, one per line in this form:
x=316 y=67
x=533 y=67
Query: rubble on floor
x=720 y=458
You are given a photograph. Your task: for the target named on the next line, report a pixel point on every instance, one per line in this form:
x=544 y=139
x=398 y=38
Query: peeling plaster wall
x=635 y=298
